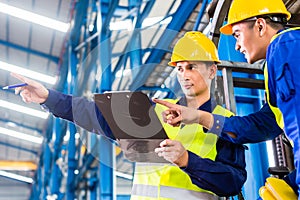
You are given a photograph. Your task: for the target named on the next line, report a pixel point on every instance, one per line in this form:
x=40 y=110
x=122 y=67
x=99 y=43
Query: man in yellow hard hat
x=259 y=29
x=210 y=166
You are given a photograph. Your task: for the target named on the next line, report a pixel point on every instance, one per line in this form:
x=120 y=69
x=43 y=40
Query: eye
x=192 y=67
x=236 y=35
x=179 y=69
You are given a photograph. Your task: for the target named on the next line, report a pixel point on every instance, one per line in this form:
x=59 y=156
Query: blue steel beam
x=135 y=52
x=133 y=48
x=71 y=147
x=87 y=161
x=55 y=32
x=69 y=55
x=106 y=169
x=200 y=15
x=106 y=185
x=30 y=51
x=59 y=129
x=105 y=48
x=72 y=163
x=47 y=158
x=179 y=18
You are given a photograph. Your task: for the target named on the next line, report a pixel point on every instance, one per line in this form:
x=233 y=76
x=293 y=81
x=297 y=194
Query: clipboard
x=134 y=123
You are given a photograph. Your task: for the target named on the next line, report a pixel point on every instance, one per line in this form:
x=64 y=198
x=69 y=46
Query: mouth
x=245 y=54
x=187 y=86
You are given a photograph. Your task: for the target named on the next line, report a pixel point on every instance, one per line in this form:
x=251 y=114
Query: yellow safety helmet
x=245 y=9
x=194 y=46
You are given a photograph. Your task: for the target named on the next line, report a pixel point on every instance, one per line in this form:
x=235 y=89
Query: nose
x=186 y=74
x=237 y=46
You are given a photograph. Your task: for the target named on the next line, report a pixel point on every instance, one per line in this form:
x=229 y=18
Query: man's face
x=194 y=77
x=248 y=41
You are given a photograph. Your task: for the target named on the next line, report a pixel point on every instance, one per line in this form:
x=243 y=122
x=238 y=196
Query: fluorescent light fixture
x=123 y=175
x=29 y=73
x=34 y=18
x=16 y=176
x=23 y=109
x=20 y=135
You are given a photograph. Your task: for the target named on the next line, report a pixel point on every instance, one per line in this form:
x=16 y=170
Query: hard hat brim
x=226 y=29
x=172 y=64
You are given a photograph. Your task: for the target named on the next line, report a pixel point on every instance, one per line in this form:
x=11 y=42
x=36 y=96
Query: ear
x=213 y=71
x=261 y=26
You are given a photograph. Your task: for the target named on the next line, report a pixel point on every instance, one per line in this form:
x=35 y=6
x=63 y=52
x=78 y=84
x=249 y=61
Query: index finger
x=164 y=103
x=20 y=77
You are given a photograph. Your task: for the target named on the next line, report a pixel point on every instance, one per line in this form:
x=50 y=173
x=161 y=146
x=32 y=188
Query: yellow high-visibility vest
x=164 y=181
x=275 y=110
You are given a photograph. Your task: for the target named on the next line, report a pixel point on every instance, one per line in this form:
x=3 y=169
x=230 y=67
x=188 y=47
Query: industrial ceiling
x=141 y=35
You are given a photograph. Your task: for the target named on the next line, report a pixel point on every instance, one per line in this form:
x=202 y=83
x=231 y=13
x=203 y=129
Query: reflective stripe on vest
x=167 y=178
x=275 y=110
x=170 y=193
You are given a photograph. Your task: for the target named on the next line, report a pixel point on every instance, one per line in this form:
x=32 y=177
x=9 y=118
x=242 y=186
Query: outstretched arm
x=253 y=128
x=79 y=110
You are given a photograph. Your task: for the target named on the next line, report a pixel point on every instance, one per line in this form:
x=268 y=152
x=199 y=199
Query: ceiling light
x=29 y=73
x=34 y=18
x=20 y=135
x=23 y=109
x=17 y=165
x=16 y=177
x=123 y=175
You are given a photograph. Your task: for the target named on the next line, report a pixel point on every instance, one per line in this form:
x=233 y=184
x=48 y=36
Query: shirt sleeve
x=78 y=110
x=256 y=127
x=228 y=168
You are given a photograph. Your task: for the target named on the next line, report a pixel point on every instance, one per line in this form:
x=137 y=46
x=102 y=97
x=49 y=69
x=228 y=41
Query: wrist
x=206 y=119
x=183 y=160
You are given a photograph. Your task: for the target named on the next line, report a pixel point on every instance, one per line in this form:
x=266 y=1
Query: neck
x=197 y=101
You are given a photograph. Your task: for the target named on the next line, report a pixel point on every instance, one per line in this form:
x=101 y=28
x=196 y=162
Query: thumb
x=166 y=142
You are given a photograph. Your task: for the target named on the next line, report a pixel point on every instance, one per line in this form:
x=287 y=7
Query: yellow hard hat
x=245 y=9
x=194 y=46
